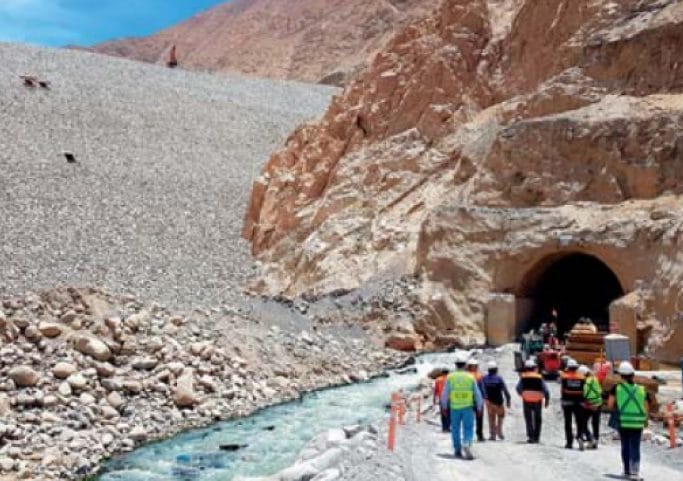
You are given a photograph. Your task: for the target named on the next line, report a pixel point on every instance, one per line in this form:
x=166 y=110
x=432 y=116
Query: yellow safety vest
x=461 y=394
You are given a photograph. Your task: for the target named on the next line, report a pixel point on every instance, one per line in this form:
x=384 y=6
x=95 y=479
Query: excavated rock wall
x=480 y=141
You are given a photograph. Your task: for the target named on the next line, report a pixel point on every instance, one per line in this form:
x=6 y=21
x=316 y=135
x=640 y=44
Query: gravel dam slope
x=165 y=158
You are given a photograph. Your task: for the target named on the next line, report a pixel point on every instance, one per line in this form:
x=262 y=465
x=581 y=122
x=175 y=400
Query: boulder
x=24 y=376
x=64 y=389
x=5 y=406
x=63 y=370
x=138 y=433
x=50 y=329
x=77 y=381
x=109 y=412
x=145 y=363
x=402 y=342
x=184 y=394
x=92 y=346
x=115 y=400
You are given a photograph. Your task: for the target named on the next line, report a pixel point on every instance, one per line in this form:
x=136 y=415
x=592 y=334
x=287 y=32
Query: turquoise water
x=273 y=437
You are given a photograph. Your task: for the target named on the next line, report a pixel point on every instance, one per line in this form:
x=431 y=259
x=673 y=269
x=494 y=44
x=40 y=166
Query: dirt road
x=425 y=454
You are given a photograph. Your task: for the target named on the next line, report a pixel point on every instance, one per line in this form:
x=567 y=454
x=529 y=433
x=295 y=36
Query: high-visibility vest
x=631 y=406
x=592 y=391
x=572 y=386
x=438 y=386
x=532 y=387
x=461 y=395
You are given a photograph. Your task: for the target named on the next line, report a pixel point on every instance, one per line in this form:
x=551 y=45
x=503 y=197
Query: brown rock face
x=308 y=40
x=484 y=147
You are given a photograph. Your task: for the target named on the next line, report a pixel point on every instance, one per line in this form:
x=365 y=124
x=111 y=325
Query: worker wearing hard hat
x=631 y=403
x=572 y=404
x=497 y=396
x=592 y=406
x=473 y=369
x=443 y=408
x=463 y=396
x=534 y=392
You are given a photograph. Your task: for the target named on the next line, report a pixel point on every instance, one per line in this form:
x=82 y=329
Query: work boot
x=458 y=454
x=568 y=446
x=467 y=453
x=501 y=437
x=580 y=440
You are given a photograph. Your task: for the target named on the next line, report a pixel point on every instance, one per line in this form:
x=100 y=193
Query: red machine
x=549 y=363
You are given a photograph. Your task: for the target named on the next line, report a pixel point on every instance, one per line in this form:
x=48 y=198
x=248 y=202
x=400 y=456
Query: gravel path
x=165 y=160
x=423 y=453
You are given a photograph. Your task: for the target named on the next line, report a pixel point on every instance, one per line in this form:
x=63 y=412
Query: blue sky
x=84 y=22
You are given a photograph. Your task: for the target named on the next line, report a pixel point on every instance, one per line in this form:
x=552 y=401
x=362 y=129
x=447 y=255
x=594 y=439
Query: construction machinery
x=548 y=356
x=585 y=343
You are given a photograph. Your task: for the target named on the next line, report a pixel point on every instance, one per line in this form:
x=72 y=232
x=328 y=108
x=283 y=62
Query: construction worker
x=572 y=403
x=534 y=391
x=592 y=407
x=443 y=408
x=631 y=402
x=497 y=396
x=473 y=369
x=462 y=394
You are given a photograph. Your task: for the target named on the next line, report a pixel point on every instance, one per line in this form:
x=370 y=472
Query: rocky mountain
x=484 y=144
x=307 y=40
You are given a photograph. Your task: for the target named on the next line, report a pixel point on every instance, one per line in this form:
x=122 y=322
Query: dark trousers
x=534 y=419
x=630 y=449
x=445 y=420
x=479 y=415
x=591 y=416
x=575 y=411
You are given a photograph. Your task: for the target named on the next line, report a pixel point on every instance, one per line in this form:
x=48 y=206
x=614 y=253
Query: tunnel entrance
x=567 y=288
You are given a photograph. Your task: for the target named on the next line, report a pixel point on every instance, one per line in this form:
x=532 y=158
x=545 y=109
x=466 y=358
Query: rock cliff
x=308 y=40
x=483 y=143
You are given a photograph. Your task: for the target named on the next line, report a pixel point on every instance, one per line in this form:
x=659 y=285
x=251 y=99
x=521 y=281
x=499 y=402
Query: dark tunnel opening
x=569 y=288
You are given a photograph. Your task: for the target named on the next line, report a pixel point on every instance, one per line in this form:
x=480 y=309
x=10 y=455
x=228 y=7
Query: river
x=271 y=438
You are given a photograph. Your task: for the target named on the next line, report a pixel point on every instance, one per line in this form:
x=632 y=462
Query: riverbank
x=88 y=375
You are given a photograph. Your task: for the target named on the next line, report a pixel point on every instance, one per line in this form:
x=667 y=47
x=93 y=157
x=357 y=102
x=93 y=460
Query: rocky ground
x=86 y=374
x=154 y=202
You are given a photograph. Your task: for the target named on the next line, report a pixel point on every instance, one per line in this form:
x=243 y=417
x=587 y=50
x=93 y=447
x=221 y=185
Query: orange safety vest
x=572 y=386
x=476 y=375
x=438 y=386
x=532 y=387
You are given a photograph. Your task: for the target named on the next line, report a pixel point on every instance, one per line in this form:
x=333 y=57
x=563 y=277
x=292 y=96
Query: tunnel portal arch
x=568 y=286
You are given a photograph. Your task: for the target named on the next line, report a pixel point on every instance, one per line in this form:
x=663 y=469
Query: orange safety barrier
x=391 y=438
x=394 y=417
x=671 y=424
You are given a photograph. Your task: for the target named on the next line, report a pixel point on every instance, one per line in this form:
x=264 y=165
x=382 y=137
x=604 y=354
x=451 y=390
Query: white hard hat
x=492 y=365
x=626 y=369
x=472 y=362
x=583 y=370
x=530 y=363
x=572 y=364
x=461 y=358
